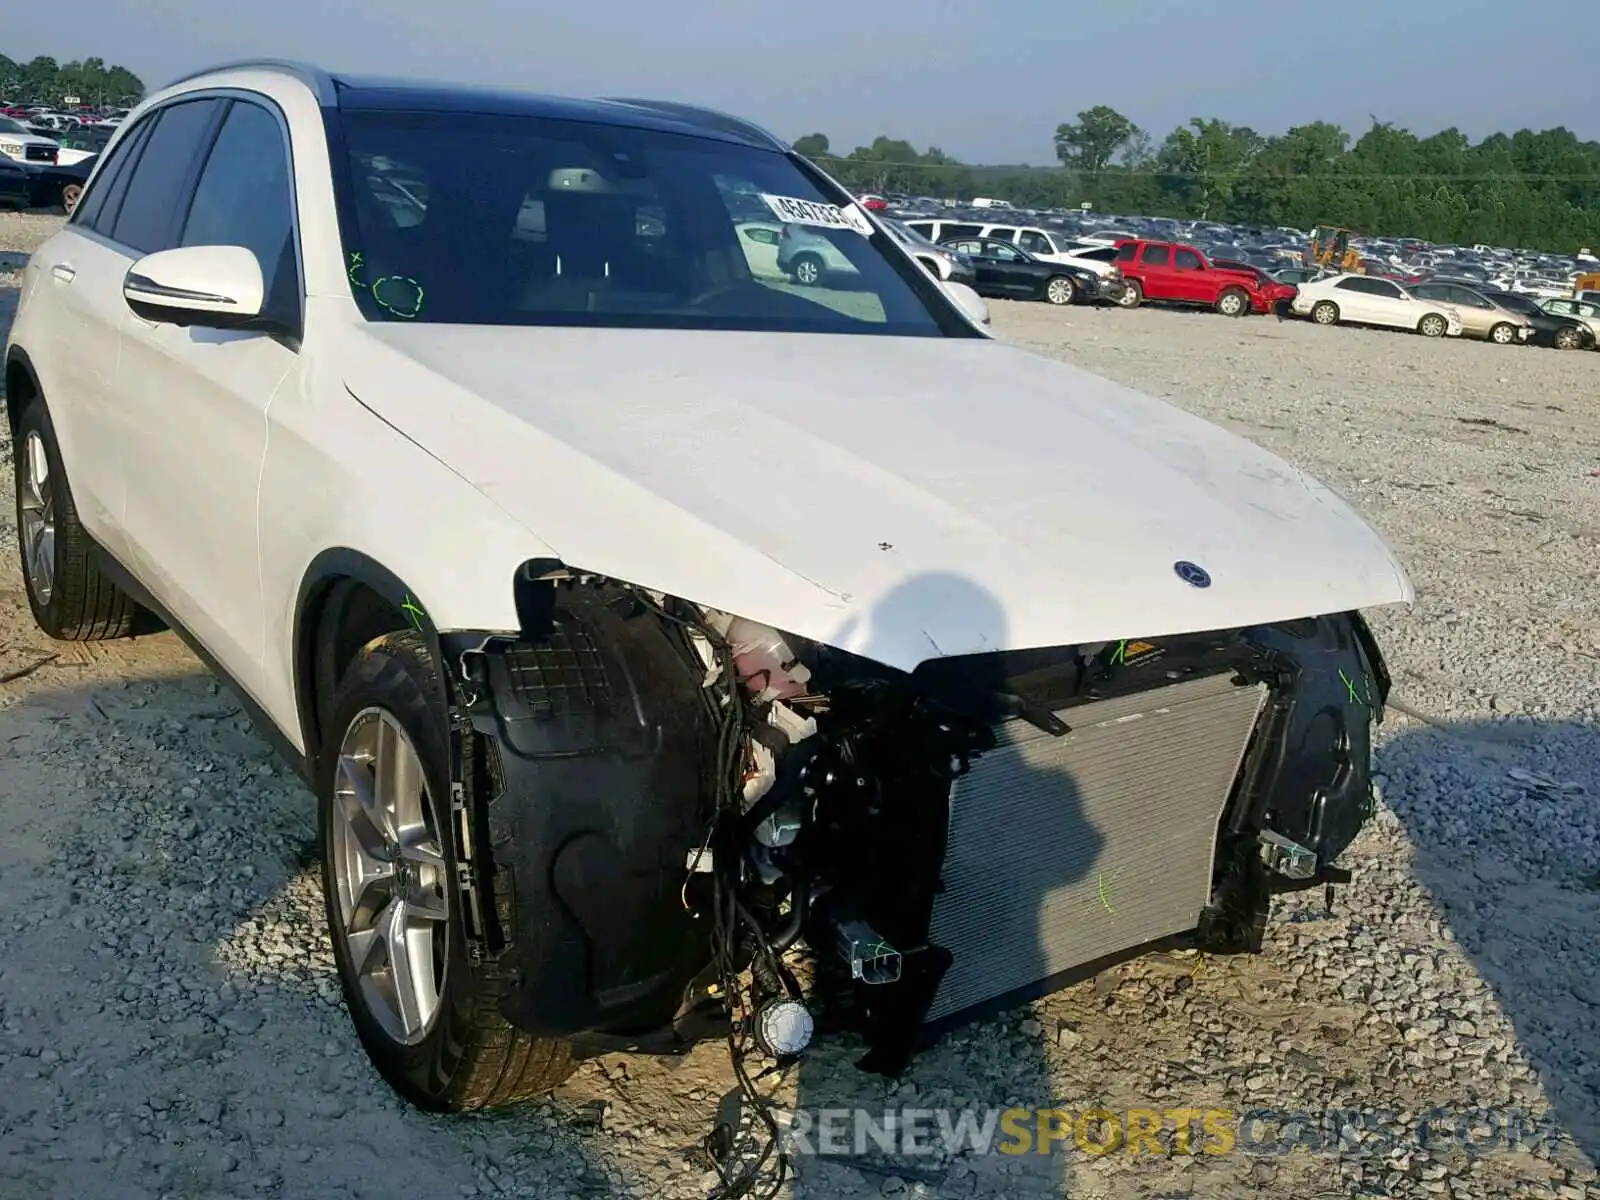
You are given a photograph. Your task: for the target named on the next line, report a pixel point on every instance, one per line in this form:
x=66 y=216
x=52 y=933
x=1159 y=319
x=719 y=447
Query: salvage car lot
x=171 y=1022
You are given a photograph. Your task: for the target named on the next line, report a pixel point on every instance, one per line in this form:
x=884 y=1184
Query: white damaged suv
x=636 y=617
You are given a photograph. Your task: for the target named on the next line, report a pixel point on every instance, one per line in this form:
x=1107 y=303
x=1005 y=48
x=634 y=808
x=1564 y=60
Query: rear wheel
x=1325 y=312
x=1233 y=302
x=1503 y=334
x=807 y=270
x=1060 y=290
x=1132 y=294
x=426 y=1013
x=71 y=599
x=1433 y=326
x=1568 y=338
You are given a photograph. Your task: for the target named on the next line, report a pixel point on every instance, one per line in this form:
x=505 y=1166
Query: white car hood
x=901 y=498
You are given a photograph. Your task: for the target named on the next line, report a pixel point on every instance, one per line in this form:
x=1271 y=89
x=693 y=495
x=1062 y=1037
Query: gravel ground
x=169 y=1017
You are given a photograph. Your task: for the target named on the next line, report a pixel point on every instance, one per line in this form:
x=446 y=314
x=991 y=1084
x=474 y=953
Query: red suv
x=1180 y=274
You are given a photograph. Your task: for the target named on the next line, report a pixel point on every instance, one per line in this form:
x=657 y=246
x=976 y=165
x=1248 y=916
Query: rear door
x=195 y=400
x=1159 y=275
x=83 y=269
x=1391 y=306
x=1355 y=299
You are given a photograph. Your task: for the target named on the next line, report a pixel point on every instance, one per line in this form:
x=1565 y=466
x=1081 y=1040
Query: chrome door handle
x=65 y=272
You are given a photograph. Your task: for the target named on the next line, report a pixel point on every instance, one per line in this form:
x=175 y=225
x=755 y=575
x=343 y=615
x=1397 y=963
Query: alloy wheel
x=1060 y=291
x=807 y=271
x=390 y=875
x=38 y=521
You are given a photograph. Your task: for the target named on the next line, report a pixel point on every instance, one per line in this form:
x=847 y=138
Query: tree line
x=1539 y=190
x=43 y=80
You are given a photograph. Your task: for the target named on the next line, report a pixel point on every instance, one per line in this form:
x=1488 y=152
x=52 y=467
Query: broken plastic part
x=1287 y=858
x=872 y=960
x=766 y=665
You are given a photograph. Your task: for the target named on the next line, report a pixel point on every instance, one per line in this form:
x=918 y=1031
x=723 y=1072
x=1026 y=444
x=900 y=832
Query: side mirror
x=216 y=286
x=968 y=301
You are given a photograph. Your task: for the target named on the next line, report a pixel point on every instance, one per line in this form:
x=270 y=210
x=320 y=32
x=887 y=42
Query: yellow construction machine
x=1330 y=248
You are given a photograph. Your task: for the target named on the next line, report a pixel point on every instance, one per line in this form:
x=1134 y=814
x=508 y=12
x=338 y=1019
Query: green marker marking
x=1121 y=654
x=395 y=280
x=1350 y=690
x=414 y=611
x=356 y=263
x=1103 y=887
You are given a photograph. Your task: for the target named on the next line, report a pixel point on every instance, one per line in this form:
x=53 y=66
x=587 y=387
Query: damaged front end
x=683 y=797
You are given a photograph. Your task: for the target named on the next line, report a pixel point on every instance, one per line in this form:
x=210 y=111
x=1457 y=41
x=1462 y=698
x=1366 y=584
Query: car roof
x=395 y=94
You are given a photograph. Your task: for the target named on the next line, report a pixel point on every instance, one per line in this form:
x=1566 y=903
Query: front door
x=196 y=401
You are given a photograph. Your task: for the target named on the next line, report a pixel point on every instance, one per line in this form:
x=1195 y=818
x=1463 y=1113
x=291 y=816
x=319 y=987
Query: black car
x=16 y=184
x=1009 y=273
x=1563 y=333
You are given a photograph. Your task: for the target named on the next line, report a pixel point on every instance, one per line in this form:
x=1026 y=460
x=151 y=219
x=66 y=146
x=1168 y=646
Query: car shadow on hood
x=990 y=1065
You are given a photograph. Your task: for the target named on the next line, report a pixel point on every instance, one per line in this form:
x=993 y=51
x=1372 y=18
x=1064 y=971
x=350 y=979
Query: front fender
x=343 y=494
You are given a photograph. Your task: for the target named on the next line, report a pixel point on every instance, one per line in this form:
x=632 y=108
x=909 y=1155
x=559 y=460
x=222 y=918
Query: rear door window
x=1035 y=242
x=98 y=211
x=1157 y=256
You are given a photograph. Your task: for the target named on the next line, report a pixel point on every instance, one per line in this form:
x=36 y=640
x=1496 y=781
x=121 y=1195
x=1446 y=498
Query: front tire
x=1503 y=334
x=426 y=1014
x=1325 y=312
x=71 y=599
x=1433 y=326
x=70 y=195
x=1567 y=339
x=1060 y=290
x=1233 y=303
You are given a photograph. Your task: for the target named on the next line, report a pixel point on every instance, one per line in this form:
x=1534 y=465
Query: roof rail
x=709 y=118
x=317 y=79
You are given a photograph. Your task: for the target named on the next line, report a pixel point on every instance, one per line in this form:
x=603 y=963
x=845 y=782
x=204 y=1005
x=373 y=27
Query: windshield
x=7 y=125
x=490 y=220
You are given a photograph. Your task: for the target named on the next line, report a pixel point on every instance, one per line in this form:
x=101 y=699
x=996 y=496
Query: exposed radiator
x=1065 y=849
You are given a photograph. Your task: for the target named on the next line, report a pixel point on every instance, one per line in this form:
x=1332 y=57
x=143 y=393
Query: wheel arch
x=22 y=380
x=345 y=599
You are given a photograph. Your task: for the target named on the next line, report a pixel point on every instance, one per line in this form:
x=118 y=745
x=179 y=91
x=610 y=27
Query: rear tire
x=1503 y=334
x=70 y=195
x=1234 y=302
x=1325 y=312
x=70 y=597
x=1132 y=294
x=807 y=269
x=450 y=1050
x=1059 y=289
x=1433 y=326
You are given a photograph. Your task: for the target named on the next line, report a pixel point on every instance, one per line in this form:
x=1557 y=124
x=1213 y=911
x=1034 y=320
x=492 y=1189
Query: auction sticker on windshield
x=826 y=216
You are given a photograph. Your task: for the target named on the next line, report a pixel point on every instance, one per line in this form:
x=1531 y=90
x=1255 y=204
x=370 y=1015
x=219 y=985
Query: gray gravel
x=170 y=1022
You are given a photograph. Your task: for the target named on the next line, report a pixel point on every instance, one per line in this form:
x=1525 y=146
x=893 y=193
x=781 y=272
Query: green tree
x=812 y=145
x=1091 y=143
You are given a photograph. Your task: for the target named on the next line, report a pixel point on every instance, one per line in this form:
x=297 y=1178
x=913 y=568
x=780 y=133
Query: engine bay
x=718 y=830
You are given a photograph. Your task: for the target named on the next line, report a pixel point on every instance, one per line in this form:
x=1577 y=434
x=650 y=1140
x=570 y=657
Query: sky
x=986 y=83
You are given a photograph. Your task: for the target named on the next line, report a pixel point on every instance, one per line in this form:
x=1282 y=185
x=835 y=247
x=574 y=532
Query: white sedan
x=1363 y=300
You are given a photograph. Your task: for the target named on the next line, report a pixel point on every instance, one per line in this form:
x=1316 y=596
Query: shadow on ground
x=1505 y=819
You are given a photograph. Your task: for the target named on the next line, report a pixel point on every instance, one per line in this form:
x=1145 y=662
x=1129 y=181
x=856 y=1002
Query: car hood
x=901 y=498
